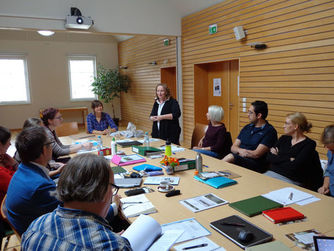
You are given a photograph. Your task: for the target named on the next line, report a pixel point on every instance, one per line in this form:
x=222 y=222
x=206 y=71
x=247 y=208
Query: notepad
x=135 y=205
x=284 y=197
x=217 y=182
x=283 y=214
x=255 y=205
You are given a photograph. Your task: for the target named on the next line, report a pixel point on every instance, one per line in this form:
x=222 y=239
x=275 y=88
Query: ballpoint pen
x=232 y=224
x=195 y=246
x=132 y=202
x=291 y=196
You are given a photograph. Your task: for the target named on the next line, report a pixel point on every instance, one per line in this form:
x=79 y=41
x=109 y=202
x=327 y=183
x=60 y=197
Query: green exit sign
x=212 y=28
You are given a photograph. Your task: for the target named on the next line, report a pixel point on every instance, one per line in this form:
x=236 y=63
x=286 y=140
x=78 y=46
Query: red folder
x=283 y=214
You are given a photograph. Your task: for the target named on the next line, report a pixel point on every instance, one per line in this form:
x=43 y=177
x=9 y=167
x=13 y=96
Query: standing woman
x=98 y=121
x=52 y=118
x=294 y=158
x=327 y=138
x=165 y=115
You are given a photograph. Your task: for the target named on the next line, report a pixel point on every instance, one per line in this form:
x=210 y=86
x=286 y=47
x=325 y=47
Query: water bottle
x=168 y=148
x=199 y=163
x=113 y=146
x=146 y=139
x=99 y=143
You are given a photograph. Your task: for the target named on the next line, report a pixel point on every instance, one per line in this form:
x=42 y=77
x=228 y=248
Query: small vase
x=169 y=169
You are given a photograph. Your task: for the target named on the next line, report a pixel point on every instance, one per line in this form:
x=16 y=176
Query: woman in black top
x=294 y=158
x=165 y=115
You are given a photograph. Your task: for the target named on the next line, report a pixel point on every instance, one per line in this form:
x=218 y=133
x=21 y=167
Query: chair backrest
x=4 y=216
x=227 y=145
x=198 y=133
x=67 y=128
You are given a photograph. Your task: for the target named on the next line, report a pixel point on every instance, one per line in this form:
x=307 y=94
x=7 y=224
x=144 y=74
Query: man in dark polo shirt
x=254 y=141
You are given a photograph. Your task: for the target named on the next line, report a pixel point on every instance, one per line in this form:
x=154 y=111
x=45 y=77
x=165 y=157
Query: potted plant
x=108 y=84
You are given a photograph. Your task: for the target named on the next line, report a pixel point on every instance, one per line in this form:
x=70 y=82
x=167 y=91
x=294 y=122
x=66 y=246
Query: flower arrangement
x=170 y=161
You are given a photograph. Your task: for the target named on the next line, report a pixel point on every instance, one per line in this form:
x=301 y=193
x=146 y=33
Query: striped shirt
x=71 y=229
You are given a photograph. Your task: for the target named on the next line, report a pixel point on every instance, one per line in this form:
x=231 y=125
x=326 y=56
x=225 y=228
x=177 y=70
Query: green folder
x=255 y=205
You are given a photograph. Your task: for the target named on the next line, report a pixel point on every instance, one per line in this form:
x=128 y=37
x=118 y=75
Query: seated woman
x=8 y=167
x=294 y=156
x=213 y=143
x=98 y=121
x=327 y=138
x=52 y=118
x=54 y=167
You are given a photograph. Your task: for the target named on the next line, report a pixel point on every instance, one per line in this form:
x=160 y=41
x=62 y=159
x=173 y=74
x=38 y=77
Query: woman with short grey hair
x=214 y=143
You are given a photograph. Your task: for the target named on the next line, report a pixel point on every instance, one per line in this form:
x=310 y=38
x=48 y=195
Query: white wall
x=48 y=72
x=116 y=16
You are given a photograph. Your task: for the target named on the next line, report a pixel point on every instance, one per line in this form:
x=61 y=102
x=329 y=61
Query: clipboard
x=231 y=231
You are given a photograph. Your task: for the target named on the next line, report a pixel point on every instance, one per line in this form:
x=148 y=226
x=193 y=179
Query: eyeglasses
x=116 y=188
x=49 y=143
x=59 y=117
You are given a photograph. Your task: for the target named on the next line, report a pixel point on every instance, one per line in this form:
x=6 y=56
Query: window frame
x=26 y=77
x=79 y=57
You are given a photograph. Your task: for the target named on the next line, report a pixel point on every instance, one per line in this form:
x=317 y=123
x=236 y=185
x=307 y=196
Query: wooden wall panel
x=295 y=72
x=136 y=53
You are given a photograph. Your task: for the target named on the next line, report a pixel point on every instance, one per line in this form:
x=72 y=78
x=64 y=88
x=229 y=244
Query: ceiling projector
x=78 y=22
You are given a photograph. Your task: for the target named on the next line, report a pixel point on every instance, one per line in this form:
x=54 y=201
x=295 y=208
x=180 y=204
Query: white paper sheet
x=192 y=229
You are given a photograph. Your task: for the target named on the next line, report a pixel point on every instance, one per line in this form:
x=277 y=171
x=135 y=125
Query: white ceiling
x=119 y=18
x=187 y=7
x=184 y=8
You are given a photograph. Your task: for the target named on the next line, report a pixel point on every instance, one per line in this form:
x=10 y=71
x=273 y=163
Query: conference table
x=319 y=214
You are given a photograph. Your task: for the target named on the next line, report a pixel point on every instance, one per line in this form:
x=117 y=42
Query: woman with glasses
x=294 y=158
x=52 y=118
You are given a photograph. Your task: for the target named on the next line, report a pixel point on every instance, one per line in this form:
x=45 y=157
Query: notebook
x=283 y=214
x=231 y=231
x=255 y=205
x=217 y=182
x=129 y=143
x=128 y=182
x=272 y=246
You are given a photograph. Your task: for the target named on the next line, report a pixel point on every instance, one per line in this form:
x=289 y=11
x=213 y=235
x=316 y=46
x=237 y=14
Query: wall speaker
x=239 y=32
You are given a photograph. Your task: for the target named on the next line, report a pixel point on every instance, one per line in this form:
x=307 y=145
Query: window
x=14 y=84
x=82 y=70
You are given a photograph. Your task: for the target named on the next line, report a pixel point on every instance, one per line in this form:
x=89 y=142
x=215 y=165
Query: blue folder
x=217 y=182
x=147 y=168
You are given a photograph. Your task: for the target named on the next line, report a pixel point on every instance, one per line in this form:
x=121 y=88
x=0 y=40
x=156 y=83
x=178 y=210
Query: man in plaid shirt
x=86 y=187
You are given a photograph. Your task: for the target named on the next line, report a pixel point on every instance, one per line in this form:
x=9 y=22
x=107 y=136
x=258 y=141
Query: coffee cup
x=165 y=185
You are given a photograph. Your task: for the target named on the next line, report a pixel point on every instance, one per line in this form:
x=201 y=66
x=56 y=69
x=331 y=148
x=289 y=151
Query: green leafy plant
x=109 y=83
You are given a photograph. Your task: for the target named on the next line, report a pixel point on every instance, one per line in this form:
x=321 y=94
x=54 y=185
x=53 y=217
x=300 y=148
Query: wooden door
x=168 y=76
x=226 y=73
